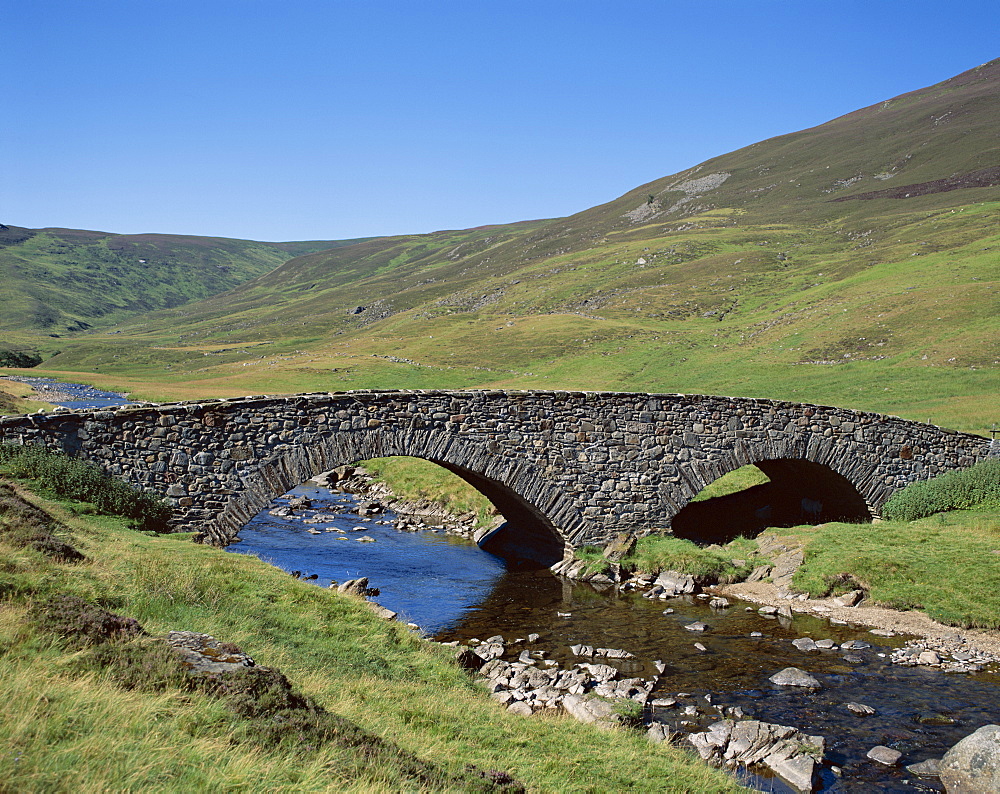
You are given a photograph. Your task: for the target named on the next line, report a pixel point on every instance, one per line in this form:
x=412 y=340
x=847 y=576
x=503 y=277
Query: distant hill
x=855 y=262
x=57 y=281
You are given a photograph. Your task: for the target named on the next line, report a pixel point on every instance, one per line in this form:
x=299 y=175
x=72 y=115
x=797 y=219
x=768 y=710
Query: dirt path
x=912 y=622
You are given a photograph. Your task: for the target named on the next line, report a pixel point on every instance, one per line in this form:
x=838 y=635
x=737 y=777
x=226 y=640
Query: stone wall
x=578 y=467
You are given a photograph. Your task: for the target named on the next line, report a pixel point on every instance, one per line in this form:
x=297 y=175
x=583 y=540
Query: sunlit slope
x=746 y=275
x=55 y=281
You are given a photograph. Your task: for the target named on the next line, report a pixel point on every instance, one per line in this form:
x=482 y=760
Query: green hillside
x=855 y=263
x=59 y=281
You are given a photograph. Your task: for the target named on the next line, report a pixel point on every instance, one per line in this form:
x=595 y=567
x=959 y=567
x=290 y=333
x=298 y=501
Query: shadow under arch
x=800 y=491
x=531 y=507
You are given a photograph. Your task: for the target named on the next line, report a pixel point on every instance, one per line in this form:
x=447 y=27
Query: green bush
x=76 y=479
x=975 y=487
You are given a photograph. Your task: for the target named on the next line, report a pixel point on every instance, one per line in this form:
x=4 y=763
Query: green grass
x=947 y=565
x=72 y=728
x=707 y=564
x=413 y=479
x=738 y=480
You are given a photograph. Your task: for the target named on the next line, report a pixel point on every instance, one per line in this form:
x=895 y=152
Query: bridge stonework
x=580 y=466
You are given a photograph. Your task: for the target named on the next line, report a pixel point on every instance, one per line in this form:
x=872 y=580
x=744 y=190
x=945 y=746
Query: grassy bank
x=18 y=398
x=945 y=560
x=413 y=480
x=71 y=725
x=947 y=565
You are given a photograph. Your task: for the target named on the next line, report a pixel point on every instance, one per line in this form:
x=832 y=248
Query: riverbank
x=17 y=397
x=70 y=726
x=73 y=395
x=884 y=619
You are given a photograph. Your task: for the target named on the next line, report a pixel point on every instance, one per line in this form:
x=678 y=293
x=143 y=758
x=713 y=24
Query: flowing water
x=77 y=396
x=455 y=591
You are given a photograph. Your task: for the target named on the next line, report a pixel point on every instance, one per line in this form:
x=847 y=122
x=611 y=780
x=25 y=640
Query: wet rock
x=886 y=756
x=698 y=626
x=860 y=709
x=786 y=751
x=718 y=602
x=675 y=584
x=938 y=720
x=768 y=610
x=973 y=765
x=805 y=644
x=613 y=653
x=699 y=647
x=793 y=676
x=929 y=768
x=825 y=645
x=854 y=645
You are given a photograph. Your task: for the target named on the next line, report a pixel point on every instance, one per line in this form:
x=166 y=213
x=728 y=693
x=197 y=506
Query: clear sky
x=331 y=119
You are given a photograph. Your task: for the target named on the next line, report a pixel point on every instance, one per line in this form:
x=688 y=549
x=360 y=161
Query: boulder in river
x=973 y=765
x=788 y=752
x=793 y=676
x=675 y=584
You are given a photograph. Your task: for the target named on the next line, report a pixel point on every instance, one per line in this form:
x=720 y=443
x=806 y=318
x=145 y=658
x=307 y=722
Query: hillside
x=855 y=263
x=59 y=281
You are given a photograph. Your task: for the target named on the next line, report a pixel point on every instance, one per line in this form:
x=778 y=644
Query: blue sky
x=328 y=119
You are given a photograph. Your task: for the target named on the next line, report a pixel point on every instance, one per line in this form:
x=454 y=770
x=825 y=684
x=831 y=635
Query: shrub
x=78 y=479
x=80 y=624
x=18 y=359
x=975 y=487
x=23 y=524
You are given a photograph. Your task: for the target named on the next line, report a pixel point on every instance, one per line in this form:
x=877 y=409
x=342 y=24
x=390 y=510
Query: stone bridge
x=564 y=468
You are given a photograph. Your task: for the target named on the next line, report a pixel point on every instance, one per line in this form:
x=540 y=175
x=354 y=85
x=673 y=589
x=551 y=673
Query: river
x=455 y=591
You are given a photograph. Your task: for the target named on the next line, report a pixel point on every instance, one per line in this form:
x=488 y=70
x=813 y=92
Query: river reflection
x=455 y=591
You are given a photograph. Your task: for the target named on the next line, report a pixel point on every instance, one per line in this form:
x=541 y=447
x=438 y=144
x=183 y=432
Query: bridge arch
x=808 y=483
x=522 y=498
